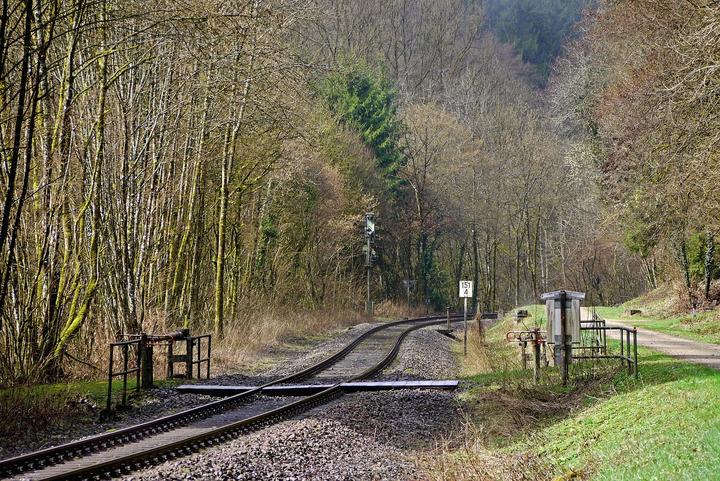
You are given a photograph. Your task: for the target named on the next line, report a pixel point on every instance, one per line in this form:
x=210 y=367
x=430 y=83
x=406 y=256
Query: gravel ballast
x=361 y=436
x=404 y=419
x=372 y=435
x=163 y=401
x=312 y=449
x=425 y=354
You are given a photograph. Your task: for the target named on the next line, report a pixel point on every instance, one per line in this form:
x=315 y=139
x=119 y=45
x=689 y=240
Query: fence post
x=146 y=364
x=110 y=379
x=635 y=351
x=604 y=337
x=209 y=339
x=627 y=334
x=170 y=370
x=125 y=368
x=536 y=354
x=138 y=364
x=189 y=359
x=622 y=350
x=198 y=349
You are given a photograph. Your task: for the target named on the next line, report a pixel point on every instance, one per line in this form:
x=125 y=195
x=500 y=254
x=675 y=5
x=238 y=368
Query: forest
x=188 y=163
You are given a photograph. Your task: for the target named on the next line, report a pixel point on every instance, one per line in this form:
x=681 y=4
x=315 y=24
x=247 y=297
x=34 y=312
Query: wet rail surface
x=128 y=449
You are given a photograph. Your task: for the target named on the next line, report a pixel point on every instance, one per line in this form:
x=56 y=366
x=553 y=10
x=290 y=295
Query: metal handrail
x=125 y=346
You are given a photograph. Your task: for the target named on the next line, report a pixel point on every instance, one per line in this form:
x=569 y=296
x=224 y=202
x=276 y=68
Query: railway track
x=116 y=453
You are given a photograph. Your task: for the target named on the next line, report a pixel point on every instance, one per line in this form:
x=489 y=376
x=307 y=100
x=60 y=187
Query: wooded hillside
x=185 y=163
x=640 y=94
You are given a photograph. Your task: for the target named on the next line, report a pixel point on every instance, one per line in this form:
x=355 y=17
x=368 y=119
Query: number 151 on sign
x=466 y=289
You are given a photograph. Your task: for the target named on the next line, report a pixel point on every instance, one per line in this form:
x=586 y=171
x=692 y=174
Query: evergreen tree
x=365 y=101
x=537 y=28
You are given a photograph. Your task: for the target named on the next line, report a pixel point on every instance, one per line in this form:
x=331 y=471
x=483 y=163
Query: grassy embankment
x=610 y=427
x=660 y=313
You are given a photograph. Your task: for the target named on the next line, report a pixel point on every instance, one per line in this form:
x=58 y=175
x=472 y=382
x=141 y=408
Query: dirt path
x=688 y=350
x=685 y=349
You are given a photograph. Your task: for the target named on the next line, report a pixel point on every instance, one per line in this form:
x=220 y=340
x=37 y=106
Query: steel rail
x=57 y=454
x=126 y=464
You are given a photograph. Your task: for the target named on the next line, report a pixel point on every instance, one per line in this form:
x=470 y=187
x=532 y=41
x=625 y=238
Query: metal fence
x=592 y=348
x=595 y=343
x=125 y=350
x=191 y=358
x=141 y=347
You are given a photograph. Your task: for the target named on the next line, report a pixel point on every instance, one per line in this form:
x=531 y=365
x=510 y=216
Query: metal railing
x=192 y=356
x=593 y=345
x=536 y=339
x=598 y=330
x=124 y=347
x=195 y=345
x=143 y=346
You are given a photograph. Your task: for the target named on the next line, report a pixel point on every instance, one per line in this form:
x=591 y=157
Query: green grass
x=537 y=315
x=92 y=390
x=47 y=407
x=665 y=426
x=704 y=326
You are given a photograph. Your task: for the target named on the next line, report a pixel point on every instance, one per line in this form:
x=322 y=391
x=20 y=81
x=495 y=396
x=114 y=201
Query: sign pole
x=368 y=302
x=369 y=233
x=465 y=322
x=408 y=298
x=465 y=291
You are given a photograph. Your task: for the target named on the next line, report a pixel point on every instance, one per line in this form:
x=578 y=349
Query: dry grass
x=254 y=333
x=395 y=310
x=491 y=353
x=473 y=461
x=673 y=299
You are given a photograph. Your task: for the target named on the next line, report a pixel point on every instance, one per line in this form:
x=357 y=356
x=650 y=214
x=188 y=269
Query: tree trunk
x=476 y=267
x=709 y=262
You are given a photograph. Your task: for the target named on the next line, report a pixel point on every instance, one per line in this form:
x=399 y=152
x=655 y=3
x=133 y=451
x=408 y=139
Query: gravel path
x=684 y=349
